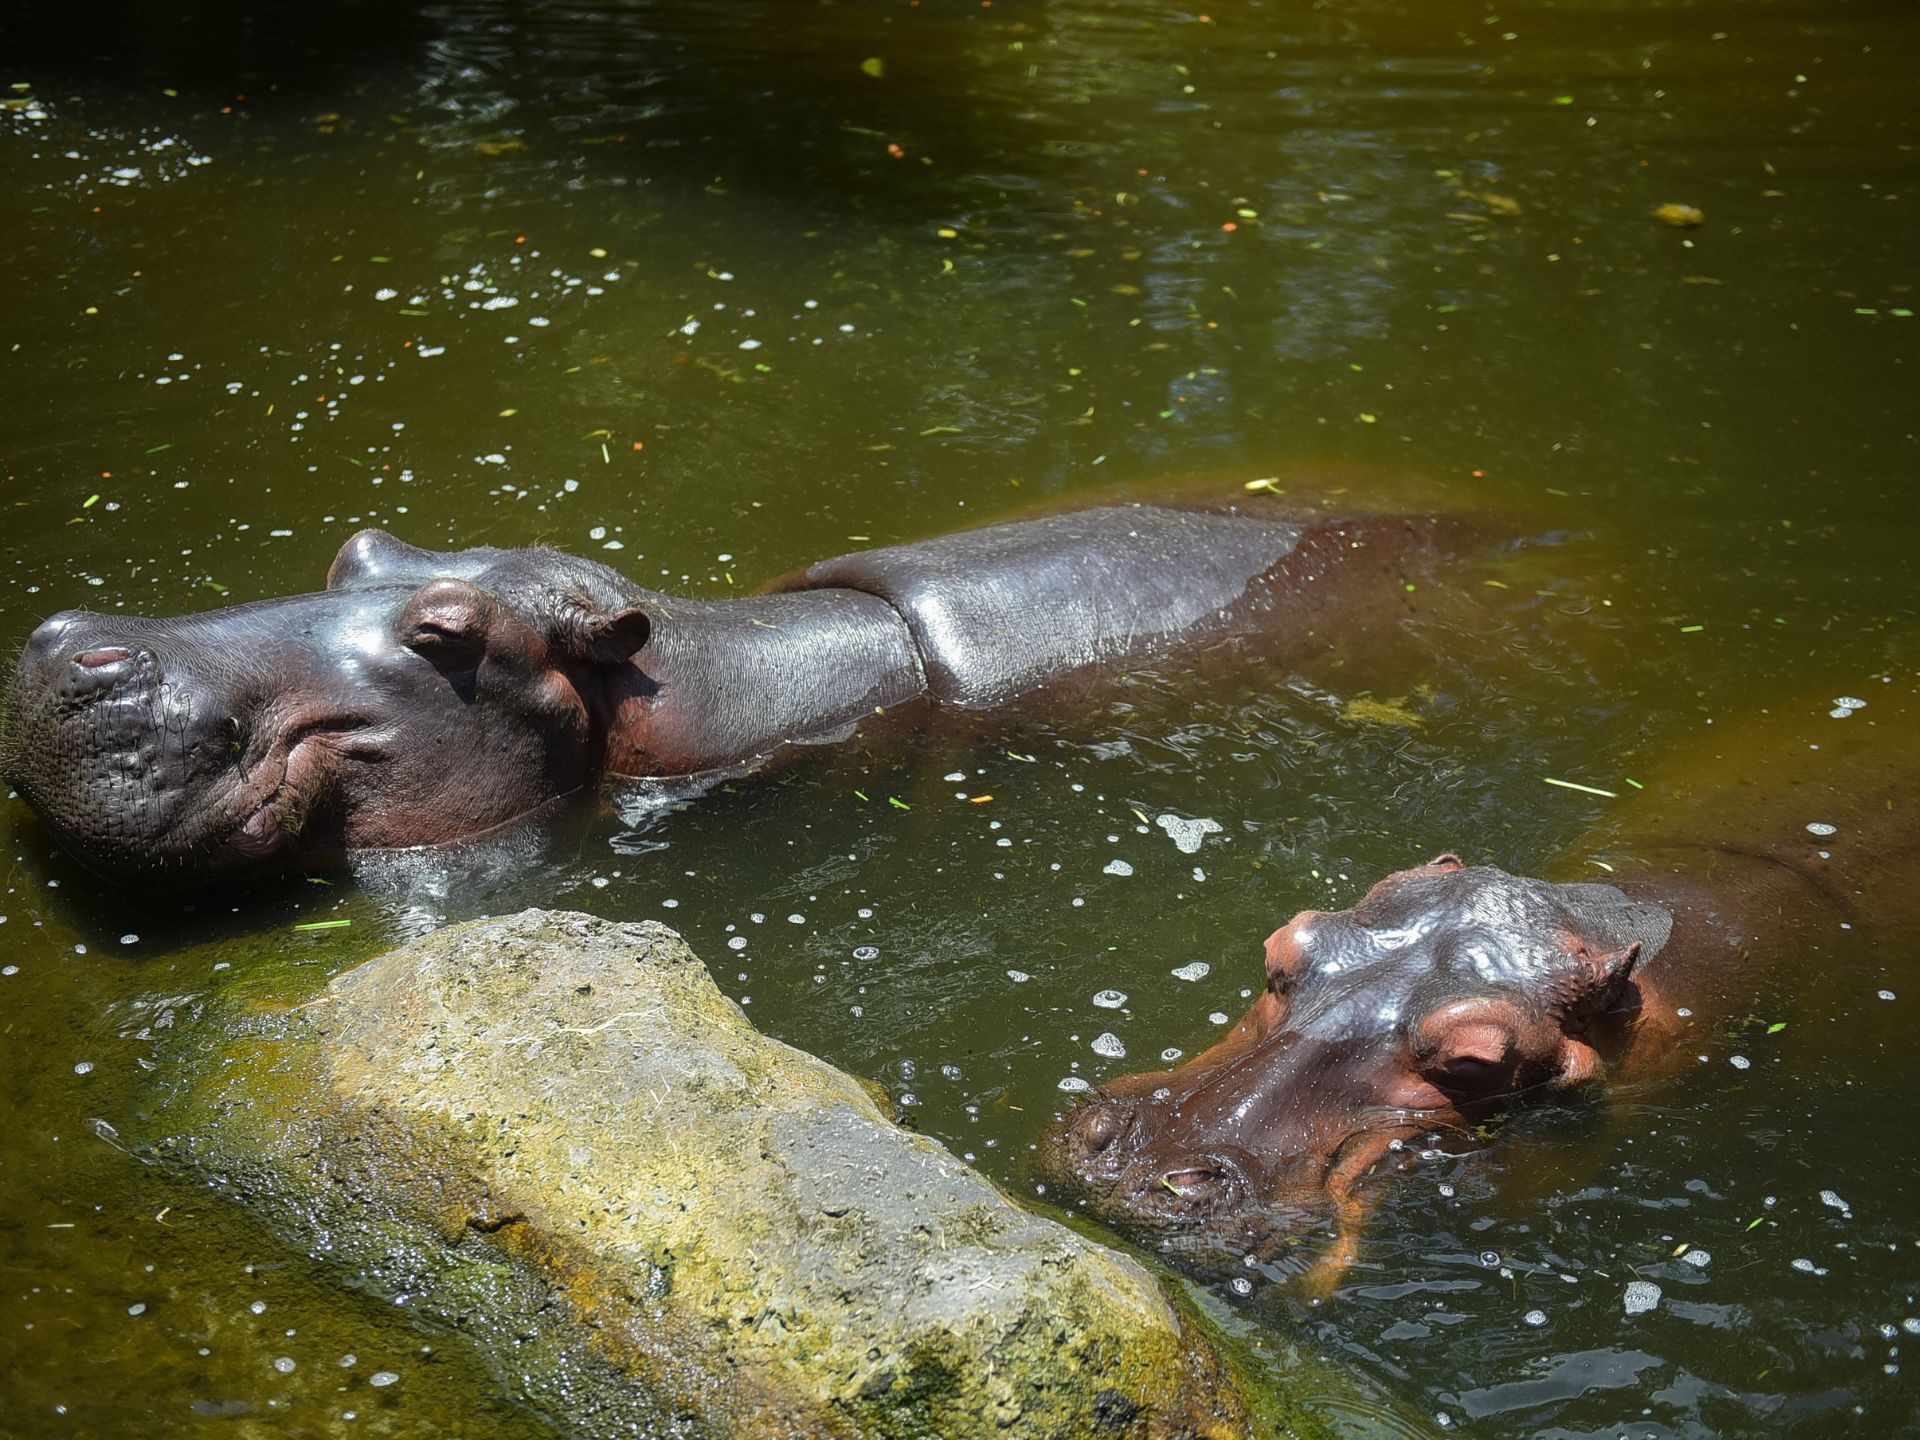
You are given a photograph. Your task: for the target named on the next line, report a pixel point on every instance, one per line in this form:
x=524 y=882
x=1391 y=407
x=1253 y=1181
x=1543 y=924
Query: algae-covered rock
x=556 y=1134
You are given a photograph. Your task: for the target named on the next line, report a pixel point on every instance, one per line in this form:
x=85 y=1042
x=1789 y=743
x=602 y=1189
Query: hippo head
x=1446 y=994
x=421 y=697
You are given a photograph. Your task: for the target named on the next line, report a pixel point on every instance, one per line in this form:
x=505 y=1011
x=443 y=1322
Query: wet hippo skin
x=1452 y=993
x=424 y=697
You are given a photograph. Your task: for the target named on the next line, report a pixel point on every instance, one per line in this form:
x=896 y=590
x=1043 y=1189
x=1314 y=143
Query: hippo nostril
x=94 y=659
x=1187 y=1182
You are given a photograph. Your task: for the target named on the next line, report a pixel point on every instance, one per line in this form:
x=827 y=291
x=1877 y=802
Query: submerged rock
x=556 y=1134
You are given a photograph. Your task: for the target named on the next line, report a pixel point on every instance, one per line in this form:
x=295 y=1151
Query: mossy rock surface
x=555 y=1134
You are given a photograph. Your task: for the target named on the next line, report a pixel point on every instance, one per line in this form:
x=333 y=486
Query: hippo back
x=997 y=611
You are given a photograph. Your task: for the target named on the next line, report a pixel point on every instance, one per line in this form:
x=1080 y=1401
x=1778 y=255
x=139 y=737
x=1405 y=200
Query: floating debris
x=1681 y=217
x=1368 y=711
x=1583 y=789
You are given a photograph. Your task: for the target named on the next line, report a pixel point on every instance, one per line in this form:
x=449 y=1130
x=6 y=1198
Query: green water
x=688 y=289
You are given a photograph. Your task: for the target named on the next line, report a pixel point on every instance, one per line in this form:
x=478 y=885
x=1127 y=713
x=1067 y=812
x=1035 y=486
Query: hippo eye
x=236 y=735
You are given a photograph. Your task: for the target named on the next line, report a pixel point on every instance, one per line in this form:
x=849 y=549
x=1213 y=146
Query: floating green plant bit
x=323 y=925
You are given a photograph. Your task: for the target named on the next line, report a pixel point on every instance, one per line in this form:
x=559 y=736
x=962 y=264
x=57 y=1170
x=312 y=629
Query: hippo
x=1452 y=994
x=425 y=697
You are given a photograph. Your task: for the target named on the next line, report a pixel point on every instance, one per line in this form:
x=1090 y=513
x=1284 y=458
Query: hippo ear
x=1446 y=862
x=611 y=638
x=446 y=622
x=1600 y=981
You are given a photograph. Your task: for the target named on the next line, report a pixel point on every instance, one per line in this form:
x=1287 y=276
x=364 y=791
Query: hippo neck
x=724 y=683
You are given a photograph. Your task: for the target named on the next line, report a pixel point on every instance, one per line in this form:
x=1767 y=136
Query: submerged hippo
x=1451 y=993
x=425 y=696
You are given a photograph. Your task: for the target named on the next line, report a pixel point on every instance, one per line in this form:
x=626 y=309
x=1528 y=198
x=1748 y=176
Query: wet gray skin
x=1447 y=994
x=428 y=696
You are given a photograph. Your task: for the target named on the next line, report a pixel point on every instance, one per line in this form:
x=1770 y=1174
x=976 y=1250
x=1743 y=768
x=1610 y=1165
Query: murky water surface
x=707 y=291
